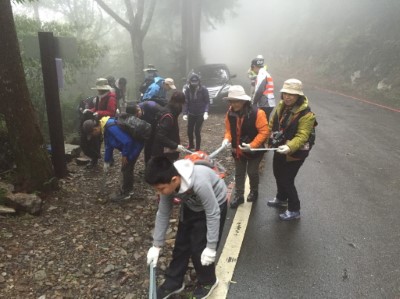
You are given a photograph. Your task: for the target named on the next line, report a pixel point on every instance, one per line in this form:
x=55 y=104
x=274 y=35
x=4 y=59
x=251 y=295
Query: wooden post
x=48 y=59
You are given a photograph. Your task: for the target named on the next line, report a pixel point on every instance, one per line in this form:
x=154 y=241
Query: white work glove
x=95 y=114
x=283 y=149
x=245 y=147
x=185 y=117
x=225 y=143
x=106 y=167
x=181 y=148
x=205 y=116
x=208 y=256
x=117 y=112
x=152 y=256
x=86 y=111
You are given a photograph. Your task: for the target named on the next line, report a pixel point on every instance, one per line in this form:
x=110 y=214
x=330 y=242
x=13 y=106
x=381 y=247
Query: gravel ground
x=81 y=245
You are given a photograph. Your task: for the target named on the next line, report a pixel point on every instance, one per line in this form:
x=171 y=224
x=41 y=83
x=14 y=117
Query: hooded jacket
x=197 y=100
x=201 y=189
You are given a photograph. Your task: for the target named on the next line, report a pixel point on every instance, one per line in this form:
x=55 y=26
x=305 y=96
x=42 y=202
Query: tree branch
x=112 y=14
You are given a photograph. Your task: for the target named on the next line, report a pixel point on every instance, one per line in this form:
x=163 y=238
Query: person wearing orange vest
x=264 y=97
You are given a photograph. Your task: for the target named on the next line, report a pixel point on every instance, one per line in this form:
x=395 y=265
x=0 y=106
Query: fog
x=236 y=42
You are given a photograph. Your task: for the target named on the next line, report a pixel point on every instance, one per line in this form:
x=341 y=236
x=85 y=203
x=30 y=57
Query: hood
x=156 y=79
x=185 y=169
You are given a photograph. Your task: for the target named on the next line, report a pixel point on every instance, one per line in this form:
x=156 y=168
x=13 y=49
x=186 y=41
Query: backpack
x=145 y=85
x=201 y=158
x=137 y=128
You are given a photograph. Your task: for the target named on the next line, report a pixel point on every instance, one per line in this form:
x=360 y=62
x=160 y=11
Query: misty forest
x=349 y=46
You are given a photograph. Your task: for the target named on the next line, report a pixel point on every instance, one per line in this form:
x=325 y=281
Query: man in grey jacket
x=202 y=217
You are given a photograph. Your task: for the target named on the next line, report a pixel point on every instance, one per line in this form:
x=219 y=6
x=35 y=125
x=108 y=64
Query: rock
x=109 y=268
x=40 y=275
x=82 y=161
x=30 y=203
x=130 y=296
x=6 y=210
x=71 y=151
x=7 y=187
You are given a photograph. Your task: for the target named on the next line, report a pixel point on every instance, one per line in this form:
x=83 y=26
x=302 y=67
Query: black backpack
x=137 y=128
x=145 y=85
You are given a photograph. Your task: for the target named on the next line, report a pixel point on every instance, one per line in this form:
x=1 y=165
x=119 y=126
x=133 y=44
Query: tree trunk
x=33 y=167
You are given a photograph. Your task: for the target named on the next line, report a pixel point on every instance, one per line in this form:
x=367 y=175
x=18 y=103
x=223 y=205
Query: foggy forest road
x=347 y=243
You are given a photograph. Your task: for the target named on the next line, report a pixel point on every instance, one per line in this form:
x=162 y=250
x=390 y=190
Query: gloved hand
x=185 y=117
x=152 y=256
x=283 y=149
x=106 y=167
x=181 y=148
x=205 y=116
x=208 y=256
x=245 y=147
x=95 y=114
x=117 y=112
x=86 y=111
x=225 y=143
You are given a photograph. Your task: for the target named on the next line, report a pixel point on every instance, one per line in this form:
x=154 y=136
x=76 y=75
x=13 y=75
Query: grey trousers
x=251 y=168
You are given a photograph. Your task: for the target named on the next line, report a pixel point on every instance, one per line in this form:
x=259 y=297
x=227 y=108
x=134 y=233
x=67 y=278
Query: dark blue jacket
x=197 y=101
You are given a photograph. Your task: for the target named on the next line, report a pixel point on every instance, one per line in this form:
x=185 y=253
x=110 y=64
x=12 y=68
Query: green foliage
x=89 y=55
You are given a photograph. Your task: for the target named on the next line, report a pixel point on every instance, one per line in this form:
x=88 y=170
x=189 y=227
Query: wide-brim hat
x=102 y=84
x=236 y=92
x=293 y=86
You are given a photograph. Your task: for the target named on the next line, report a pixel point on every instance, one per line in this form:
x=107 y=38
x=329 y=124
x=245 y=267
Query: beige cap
x=170 y=82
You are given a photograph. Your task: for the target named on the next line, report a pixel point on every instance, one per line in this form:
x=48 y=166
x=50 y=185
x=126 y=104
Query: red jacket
x=106 y=105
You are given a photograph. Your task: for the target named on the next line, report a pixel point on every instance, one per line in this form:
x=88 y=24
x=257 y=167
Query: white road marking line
x=230 y=253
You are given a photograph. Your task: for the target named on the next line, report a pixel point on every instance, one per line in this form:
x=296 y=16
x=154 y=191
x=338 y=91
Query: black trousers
x=195 y=122
x=127 y=176
x=285 y=174
x=91 y=148
x=191 y=240
x=148 y=146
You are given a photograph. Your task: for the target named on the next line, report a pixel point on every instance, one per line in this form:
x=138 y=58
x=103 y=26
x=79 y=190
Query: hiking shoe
x=237 y=200
x=120 y=196
x=277 y=203
x=92 y=164
x=253 y=196
x=204 y=291
x=164 y=293
x=288 y=215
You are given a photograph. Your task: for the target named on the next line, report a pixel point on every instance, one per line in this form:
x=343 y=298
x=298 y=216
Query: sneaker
x=288 y=215
x=253 y=196
x=277 y=203
x=119 y=196
x=237 y=200
x=190 y=147
x=164 y=293
x=204 y=291
x=92 y=164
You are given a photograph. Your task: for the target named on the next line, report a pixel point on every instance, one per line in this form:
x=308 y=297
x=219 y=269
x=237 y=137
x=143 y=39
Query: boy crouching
x=202 y=217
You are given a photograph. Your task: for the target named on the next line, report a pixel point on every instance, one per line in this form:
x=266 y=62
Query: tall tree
x=33 y=166
x=139 y=17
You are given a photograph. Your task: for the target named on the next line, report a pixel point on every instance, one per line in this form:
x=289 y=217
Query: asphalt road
x=347 y=242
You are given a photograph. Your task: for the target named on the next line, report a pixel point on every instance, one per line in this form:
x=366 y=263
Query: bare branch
x=112 y=14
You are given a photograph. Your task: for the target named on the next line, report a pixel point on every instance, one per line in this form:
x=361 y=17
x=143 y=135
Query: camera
x=277 y=138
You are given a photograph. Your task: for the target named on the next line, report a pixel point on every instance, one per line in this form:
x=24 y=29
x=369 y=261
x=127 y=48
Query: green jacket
x=305 y=126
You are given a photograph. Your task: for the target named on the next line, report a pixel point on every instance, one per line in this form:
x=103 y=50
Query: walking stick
x=152 y=286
